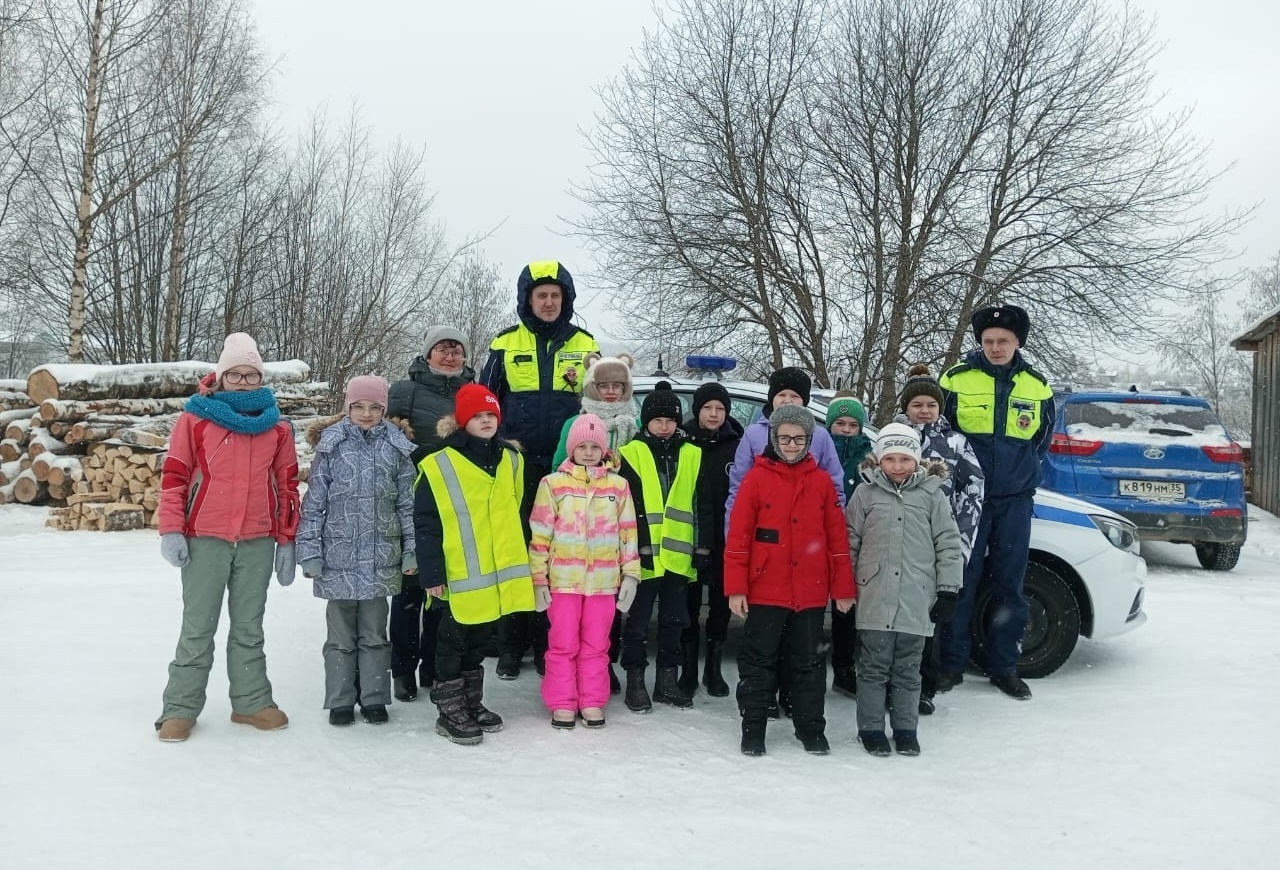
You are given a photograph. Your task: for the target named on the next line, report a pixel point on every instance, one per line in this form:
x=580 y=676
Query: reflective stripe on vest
x=976 y=413
x=485 y=557
x=520 y=361
x=673 y=528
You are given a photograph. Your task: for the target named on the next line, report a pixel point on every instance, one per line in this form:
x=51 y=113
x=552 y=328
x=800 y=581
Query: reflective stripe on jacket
x=670 y=521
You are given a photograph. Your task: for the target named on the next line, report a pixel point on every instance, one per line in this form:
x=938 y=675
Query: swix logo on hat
x=474 y=399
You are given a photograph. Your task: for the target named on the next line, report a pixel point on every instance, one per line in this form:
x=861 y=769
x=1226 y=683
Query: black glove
x=701 y=559
x=944 y=607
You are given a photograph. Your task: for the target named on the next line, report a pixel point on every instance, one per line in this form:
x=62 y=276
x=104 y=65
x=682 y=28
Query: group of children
x=637 y=515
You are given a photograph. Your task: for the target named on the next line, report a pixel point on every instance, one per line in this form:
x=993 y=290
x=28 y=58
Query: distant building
x=1263 y=341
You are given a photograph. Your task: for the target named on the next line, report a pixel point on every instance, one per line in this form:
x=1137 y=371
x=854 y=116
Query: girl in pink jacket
x=585 y=562
x=228 y=514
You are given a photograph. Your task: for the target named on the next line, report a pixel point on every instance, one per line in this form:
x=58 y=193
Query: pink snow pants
x=578 y=651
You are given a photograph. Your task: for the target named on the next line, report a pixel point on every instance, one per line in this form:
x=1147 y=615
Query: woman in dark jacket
x=422 y=400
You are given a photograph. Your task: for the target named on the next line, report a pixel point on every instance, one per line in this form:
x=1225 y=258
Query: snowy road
x=1154 y=749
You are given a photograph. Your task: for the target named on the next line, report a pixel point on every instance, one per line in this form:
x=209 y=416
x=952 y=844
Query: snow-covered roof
x=1267 y=324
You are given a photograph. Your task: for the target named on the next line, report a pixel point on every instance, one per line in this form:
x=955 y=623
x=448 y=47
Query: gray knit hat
x=437 y=334
x=796 y=415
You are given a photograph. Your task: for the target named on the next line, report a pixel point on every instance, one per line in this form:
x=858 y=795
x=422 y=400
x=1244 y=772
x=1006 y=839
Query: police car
x=1084 y=576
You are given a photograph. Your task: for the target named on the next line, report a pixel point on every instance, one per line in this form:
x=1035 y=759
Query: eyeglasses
x=250 y=378
x=612 y=385
x=789 y=440
x=449 y=350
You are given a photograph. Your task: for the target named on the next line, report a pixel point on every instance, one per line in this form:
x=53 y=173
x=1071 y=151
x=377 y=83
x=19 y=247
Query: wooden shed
x=1263 y=340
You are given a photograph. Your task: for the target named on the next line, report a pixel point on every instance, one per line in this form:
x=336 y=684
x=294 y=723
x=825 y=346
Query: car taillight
x=1065 y=445
x=1224 y=453
x=1226 y=512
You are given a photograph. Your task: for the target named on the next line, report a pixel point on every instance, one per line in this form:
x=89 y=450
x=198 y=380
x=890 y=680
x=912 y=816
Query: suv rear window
x=1140 y=418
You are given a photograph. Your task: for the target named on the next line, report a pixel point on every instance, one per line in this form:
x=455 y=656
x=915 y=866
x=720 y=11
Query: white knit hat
x=239 y=349
x=898 y=438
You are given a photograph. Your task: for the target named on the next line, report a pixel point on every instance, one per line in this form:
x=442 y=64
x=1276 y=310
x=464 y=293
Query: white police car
x=1084 y=575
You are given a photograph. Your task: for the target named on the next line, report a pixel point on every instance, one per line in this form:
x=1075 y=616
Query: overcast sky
x=496 y=91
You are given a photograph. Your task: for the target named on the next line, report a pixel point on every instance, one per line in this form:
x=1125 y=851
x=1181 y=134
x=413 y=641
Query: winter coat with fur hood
x=786 y=543
x=357 y=530
x=965 y=483
x=905 y=546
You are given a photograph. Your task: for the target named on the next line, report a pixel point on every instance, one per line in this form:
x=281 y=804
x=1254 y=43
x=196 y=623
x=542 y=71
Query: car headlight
x=1121 y=533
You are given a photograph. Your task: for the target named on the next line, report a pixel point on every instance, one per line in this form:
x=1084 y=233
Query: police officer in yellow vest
x=1005 y=408
x=536 y=369
x=474 y=555
x=663 y=468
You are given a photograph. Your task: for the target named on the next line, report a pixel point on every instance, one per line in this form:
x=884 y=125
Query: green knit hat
x=846 y=406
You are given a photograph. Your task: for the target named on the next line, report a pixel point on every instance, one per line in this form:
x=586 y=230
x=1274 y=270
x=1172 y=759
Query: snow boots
x=814 y=744
x=1013 y=686
x=375 y=714
x=875 y=743
x=405 y=687
x=637 y=699
x=667 y=689
x=455 y=722
x=175 y=730
x=341 y=716
x=905 y=743
x=689 y=663
x=753 y=736
x=267 y=719
x=473 y=681
x=711 y=676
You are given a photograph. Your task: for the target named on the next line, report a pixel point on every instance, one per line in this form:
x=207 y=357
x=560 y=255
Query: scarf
x=620 y=419
x=249 y=413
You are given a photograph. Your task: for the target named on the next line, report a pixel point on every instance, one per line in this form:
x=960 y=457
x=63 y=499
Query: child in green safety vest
x=662 y=468
x=471 y=554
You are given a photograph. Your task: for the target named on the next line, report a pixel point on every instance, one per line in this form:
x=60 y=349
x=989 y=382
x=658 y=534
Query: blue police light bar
x=711 y=363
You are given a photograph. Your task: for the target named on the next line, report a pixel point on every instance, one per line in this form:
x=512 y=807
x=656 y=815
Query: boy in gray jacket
x=906 y=551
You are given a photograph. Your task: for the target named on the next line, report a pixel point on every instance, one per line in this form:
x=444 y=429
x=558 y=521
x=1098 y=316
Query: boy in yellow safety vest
x=662 y=468
x=472 y=554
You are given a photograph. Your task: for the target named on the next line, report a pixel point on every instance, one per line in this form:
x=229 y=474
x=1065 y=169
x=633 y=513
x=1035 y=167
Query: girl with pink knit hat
x=585 y=562
x=228 y=515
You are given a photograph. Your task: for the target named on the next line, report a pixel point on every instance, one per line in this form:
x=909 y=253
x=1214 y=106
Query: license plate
x=1153 y=488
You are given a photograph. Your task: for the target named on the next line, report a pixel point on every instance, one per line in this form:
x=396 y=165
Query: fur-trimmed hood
x=448 y=425
x=926 y=469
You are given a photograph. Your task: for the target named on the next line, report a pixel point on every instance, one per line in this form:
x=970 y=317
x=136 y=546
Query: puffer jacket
x=357 y=517
x=718 y=449
x=756 y=438
x=786 y=543
x=583 y=531
x=965 y=483
x=423 y=399
x=222 y=484
x=905 y=547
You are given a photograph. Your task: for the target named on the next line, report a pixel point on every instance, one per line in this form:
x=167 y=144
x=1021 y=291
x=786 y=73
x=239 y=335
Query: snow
x=1133 y=422
x=288 y=371
x=1154 y=749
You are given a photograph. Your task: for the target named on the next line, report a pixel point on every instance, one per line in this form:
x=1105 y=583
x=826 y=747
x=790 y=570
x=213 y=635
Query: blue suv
x=1163 y=461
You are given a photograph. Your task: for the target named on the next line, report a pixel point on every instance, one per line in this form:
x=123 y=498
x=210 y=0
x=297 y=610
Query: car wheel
x=1053 y=622
x=1217 y=556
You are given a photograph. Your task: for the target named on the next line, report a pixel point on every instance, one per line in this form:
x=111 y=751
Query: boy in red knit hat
x=471 y=553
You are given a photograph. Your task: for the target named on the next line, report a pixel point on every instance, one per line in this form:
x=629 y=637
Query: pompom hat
x=919 y=383
x=662 y=402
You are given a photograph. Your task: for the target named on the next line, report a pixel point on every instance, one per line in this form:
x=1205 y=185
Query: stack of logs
x=89 y=440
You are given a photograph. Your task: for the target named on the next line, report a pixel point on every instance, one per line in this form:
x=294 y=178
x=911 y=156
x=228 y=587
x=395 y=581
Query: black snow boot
x=926 y=706
x=711 y=676
x=615 y=685
x=875 y=743
x=342 y=715
x=815 y=744
x=473 y=681
x=905 y=743
x=637 y=699
x=405 y=687
x=667 y=689
x=455 y=723
x=689 y=664
x=772 y=710
x=948 y=680
x=375 y=714
x=753 y=736
x=540 y=662
x=1012 y=685
x=508 y=666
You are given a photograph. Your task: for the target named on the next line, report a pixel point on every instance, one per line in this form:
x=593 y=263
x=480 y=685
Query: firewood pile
x=89 y=441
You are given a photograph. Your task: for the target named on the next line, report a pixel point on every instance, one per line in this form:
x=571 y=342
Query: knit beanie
x=898 y=438
x=1009 y=317
x=366 y=388
x=238 y=349
x=789 y=378
x=797 y=416
x=587 y=429
x=474 y=399
x=606 y=370
x=919 y=383
x=846 y=406
x=711 y=391
x=662 y=402
x=437 y=334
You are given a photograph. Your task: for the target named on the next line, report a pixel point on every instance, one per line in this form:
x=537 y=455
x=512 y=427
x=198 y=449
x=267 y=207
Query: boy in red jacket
x=786 y=556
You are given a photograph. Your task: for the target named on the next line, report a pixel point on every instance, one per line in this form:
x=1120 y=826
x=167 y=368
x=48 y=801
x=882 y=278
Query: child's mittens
x=944 y=608
x=312 y=568
x=173 y=546
x=627 y=592
x=541 y=598
x=286 y=567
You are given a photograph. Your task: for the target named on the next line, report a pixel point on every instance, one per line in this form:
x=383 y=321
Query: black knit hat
x=789 y=378
x=1009 y=317
x=710 y=391
x=662 y=402
x=919 y=383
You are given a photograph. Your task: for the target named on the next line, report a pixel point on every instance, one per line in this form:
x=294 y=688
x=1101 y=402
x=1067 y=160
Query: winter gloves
x=627 y=592
x=286 y=567
x=173 y=546
x=541 y=599
x=944 y=607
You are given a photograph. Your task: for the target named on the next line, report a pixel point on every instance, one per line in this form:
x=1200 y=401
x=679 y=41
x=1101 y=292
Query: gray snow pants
x=357 y=654
x=243 y=571
x=888 y=657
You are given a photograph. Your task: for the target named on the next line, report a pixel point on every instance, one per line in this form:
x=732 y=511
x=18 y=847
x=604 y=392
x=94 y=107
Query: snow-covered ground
x=1155 y=749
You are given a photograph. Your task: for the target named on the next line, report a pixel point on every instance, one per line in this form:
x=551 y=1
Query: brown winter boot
x=267 y=719
x=175 y=730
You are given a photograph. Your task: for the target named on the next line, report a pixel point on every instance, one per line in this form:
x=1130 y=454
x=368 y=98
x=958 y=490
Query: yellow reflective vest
x=975 y=399
x=672 y=524
x=486 y=560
